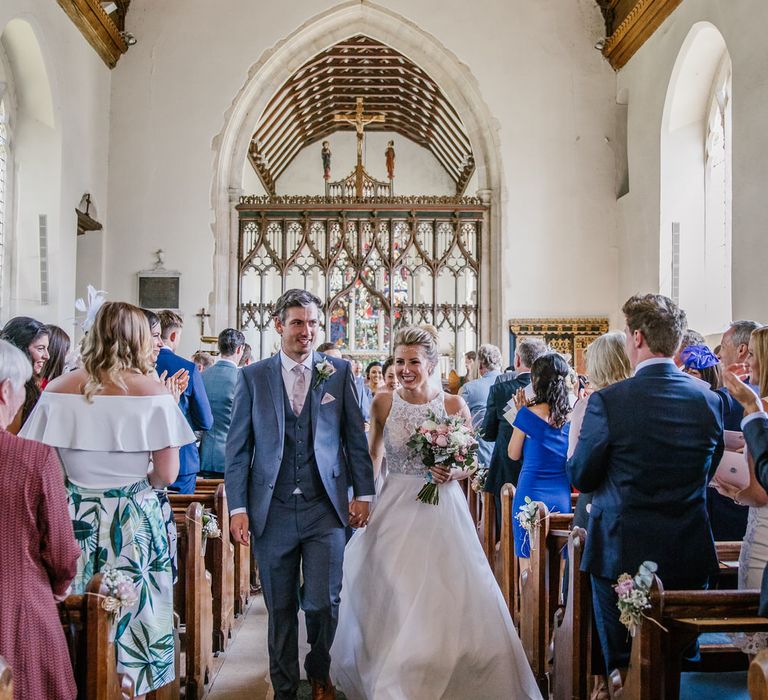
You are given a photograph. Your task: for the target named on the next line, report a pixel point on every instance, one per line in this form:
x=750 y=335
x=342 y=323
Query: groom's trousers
x=307 y=536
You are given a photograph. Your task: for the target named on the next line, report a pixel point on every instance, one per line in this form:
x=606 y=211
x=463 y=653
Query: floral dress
x=105 y=448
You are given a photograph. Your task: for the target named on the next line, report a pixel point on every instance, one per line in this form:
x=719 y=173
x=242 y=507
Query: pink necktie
x=299 y=393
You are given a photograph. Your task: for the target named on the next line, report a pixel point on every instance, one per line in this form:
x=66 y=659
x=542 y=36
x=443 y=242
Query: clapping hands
x=741 y=391
x=520 y=399
x=176 y=383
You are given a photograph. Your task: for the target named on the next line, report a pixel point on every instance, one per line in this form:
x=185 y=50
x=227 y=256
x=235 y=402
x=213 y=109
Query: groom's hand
x=238 y=528
x=358 y=513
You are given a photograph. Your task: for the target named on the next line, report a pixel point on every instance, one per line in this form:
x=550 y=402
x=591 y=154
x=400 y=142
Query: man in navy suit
x=193 y=402
x=647 y=449
x=497 y=429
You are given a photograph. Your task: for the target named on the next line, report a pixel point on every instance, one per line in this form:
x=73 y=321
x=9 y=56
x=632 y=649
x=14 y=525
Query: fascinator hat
x=96 y=297
x=698 y=357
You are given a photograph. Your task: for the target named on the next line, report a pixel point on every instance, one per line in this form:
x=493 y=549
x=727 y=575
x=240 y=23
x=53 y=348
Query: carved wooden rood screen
x=376 y=264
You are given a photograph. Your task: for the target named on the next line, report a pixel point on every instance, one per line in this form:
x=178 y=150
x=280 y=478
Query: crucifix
x=359 y=120
x=202 y=316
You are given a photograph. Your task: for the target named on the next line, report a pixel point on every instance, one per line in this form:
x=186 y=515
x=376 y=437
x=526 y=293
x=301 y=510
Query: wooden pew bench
x=677 y=618
x=87 y=628
x=219 y=560
x=242 y=554
x=193 y=601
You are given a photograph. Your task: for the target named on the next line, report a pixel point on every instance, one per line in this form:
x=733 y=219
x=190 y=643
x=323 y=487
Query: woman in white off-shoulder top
x=118 y=432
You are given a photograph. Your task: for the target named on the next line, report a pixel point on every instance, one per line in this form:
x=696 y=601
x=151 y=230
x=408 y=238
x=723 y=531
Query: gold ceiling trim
x=645 y=17
x=97 y=27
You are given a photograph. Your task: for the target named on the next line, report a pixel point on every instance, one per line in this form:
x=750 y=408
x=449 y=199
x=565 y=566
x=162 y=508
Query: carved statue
x=326 y=155
x=390 y=156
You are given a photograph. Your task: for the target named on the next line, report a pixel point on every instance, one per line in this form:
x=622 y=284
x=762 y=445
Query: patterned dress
x=38 y=556
x=117 y=519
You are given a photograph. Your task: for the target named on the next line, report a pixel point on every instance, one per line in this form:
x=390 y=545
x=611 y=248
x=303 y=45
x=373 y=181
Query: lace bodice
x=402 y=422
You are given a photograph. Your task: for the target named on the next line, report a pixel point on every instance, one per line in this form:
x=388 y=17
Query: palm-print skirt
x=123 y=528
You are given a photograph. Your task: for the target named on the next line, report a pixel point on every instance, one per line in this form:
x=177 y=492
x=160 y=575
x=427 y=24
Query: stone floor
x=241 y=673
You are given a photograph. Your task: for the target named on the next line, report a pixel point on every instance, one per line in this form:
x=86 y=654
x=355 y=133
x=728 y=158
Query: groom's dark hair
x=293 y=298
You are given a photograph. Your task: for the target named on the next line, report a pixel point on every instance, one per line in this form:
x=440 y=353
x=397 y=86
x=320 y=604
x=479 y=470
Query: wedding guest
x=690 y=337
x=374 y=378
x=219 y=382
x=755 y=427
x=329 y=349
x=155 y=333
x=542 y=425
x=754 y=548
x=647 y=488
x=607 y=363
x=58 y=349
x=38 y=554
x=203 y=360
x=496 y=428
x=118 y=431
x=390 y=376
x=729 y=519
x=193 y=403
x=475 y=393
x=700 y=362
x=471 y=367
x=31 y=337
x=246 y=359
x=363 y=395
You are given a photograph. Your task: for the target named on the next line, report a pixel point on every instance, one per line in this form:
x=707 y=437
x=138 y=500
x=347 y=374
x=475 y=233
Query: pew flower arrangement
x=210 y=525
x=633 y=593
x=121 y=591
x=528 y=517
x=479 y=479
x=443 y=442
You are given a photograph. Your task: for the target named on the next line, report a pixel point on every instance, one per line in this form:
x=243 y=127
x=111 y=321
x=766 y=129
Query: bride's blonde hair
x=424 y=336
x=119 y=341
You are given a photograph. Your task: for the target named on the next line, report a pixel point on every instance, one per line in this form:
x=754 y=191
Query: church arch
x=695 y=240
x=277 y=65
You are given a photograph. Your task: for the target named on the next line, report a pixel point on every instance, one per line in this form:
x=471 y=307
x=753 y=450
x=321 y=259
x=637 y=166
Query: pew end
x=758 y=676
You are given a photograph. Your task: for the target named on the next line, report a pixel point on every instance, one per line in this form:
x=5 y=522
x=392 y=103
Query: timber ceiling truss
x=302 y=111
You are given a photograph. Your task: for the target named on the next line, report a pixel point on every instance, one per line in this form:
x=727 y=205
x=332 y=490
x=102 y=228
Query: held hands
x=359 y=512
x=238 y=528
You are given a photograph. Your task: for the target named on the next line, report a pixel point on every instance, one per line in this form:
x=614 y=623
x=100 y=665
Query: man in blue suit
x=647 y=449
x=219 y=382
x=295 y=442
x=496 y=428
x=476 y=391
x=193 y=402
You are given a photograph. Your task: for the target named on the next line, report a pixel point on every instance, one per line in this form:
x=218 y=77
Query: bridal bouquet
x=443 y=442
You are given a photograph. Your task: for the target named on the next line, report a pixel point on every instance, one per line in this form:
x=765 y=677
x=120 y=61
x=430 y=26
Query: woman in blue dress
x=540 y=438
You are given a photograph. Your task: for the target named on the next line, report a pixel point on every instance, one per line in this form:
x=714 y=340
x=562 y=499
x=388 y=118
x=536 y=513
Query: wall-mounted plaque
x=159 y=289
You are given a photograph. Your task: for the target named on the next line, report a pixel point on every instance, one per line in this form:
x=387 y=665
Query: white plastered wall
x=57 y=158
x=645 y=80
x=549 y=93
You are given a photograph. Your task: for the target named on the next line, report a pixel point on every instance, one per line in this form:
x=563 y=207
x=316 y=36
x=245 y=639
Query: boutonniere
x=325 y=370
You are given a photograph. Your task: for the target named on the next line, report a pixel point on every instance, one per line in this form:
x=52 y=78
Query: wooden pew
x=572 y=635
x=193 y=600
x=87 y=628
x=6 y=680
x=758 y=676
x=510 y=570
x=677 y=618
x=489 y=529
x=540 y=588
x=219 y=560
x=242 y=555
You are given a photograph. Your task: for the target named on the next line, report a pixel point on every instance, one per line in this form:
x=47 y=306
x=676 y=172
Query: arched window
x=695 y=241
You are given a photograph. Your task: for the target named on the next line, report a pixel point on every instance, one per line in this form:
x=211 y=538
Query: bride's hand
x=440 y=475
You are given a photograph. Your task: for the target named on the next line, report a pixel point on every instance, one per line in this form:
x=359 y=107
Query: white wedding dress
x=421 y=615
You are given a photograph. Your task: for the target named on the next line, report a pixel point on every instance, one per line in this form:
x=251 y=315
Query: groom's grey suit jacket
x=257 y=437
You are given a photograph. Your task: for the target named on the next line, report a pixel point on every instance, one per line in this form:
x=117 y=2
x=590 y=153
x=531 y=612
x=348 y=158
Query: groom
x=296 y=436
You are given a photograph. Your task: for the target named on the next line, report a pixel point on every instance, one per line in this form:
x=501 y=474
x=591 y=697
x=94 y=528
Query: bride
x=421 y=614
